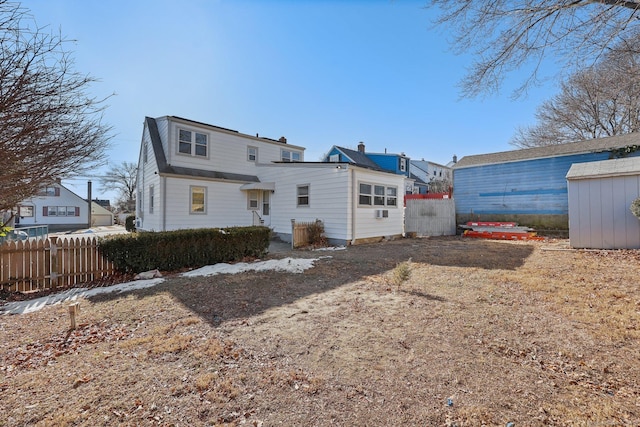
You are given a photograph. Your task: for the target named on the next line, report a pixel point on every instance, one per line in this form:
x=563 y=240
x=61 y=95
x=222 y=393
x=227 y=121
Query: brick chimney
x=283 y=140
x=361 y=147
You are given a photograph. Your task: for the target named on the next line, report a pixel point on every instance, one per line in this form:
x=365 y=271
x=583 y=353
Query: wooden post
x=293 y=234
x=53 y=274
x=73 y=311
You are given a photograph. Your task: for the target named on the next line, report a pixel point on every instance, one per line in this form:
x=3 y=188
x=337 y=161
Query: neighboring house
x=195 y=175
x=600 y=196
x=398 y=164
x=57 y=207
x=100 y=216
x=431 y=177
x=529 y=186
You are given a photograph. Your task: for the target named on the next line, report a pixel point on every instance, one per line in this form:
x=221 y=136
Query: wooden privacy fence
x=35 y=265
x=300 y=232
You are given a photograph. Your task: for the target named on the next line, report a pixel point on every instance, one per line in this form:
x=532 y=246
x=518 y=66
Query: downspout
x=354 y=205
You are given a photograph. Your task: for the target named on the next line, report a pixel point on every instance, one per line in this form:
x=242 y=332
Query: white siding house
x=600 y=196
x=194 y=175
x=57 y=207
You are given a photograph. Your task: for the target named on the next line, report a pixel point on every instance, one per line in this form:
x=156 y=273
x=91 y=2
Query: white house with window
x=55 y=206
x=195 y=175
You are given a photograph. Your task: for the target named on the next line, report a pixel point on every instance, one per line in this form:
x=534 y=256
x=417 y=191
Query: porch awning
x=258 y=186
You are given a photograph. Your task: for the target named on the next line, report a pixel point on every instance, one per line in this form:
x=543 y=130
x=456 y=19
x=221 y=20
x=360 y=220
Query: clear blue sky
x=321 y=73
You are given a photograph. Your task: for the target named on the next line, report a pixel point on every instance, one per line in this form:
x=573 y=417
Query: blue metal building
x=529 y=186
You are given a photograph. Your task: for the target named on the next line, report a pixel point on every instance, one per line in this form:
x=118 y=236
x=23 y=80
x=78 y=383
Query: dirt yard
x=467 y=333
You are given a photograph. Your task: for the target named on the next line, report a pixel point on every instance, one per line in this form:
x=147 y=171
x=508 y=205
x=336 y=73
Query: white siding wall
x=599 y=214
x=147 y=176
x=66 y=198
x=328 y=197
x=227 y=152
x=331 y=198
x=226 y=205
x=367 y=225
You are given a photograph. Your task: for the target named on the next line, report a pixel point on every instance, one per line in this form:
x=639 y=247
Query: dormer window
x=193 y=143
x=290 y=156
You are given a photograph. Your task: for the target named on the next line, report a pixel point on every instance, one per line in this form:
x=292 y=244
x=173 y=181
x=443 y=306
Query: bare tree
x=122 y=178
x=508 y=35
x=49 y=127
x=600 y=101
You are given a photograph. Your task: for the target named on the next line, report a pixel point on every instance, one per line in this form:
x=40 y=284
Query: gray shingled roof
x=359 y=159
x=605 y=168
x=165 y=168
x=589 y=146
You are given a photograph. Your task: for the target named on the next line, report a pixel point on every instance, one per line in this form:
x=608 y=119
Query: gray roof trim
x=166 y=169
x=583 y=147
x=605 y=168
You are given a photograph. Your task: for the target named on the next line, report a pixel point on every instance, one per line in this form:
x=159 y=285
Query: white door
x=266 y=207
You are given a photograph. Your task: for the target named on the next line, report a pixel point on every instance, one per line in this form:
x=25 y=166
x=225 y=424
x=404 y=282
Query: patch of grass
x=401 y=273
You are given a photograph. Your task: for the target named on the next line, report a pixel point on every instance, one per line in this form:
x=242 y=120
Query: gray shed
x=600 y=194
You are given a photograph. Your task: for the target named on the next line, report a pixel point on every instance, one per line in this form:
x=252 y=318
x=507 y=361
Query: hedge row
x=174 y=250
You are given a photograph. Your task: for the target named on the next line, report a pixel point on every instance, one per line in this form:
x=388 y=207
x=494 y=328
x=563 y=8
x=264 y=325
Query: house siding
x=57 y=223
x=532 y=192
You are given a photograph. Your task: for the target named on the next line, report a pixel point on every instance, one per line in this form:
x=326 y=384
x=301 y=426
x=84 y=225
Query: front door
x=266 y=207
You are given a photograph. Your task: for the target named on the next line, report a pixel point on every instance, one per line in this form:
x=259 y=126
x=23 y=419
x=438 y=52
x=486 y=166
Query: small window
x=290 y=156
x=252 y=154
x=252 y=200
x=71 y=211
x=303 y=195
x=365 y=194
x=334 y=158
x=193 y=143
x=50 y=191
x=198 y=199
x=378 y=199
x=52 y=211
x=25 y=211
x=151 y=198
x=184 y=142
x=392 y=196
x=403 y=164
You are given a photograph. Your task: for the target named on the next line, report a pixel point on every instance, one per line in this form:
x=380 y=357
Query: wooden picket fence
x=36 y=265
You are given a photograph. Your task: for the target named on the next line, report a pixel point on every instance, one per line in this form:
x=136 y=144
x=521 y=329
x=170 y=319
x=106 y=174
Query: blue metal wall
x=527 y=187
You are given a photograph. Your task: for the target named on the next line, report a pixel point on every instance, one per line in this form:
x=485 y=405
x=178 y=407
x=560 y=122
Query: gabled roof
x=167 y=169
x=590 y=146
x=417 y=179
x=359 y=159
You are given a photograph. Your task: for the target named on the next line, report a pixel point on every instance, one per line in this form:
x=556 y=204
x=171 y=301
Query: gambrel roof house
x=196 y=175
x=529 y=186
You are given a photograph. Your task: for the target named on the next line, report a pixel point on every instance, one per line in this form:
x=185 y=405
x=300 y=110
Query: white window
x=151 y=198
x=252 y=200
x=50 y=191
x=52 y=211
x=334 y=158
x=198 y=200
x=303 y=195
x=392 y=196
x=290 y=156
x=61 y=211
x=25 y=211
x=403 y=164
x=266 y=195
x=377 y=195
x=252 y=154
x=365 y=194
x=193 y=143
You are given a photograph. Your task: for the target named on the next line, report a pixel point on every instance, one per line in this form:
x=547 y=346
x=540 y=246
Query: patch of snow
x=23 y=307
x=332 y=248
x=290 y=265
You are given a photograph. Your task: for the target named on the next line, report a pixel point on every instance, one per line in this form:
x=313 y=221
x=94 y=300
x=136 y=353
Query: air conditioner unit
x=382 y=213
